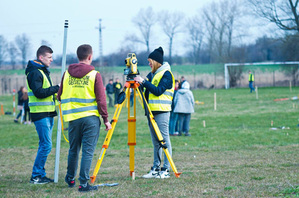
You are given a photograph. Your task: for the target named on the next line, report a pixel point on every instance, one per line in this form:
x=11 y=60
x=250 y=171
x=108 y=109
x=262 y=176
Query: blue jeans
x=162 y=121
x=184 y=122
x=44 y=130
x=173 y=120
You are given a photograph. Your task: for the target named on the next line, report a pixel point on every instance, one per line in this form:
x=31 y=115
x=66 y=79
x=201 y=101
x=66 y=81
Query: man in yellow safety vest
x=83 y=99
x=42 y=109
x=117 y=88
x=251 y=80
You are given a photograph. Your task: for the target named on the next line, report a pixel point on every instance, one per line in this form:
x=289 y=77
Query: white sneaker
x=164 y=174
x=152 y=174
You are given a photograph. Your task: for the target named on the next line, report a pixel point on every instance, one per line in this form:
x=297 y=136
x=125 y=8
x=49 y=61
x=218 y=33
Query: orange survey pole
x=131 y=129
x=14 y=101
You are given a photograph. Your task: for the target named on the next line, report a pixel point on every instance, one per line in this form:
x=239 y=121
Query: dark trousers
x=83 y=132
x=110 y=96
x=184 y=121
x=251 y=86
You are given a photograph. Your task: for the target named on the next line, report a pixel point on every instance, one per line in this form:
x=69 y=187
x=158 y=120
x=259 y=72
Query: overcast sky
x=44 y=20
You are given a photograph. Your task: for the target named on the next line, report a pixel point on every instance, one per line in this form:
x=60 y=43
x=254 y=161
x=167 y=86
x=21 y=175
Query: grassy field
x=237 y=154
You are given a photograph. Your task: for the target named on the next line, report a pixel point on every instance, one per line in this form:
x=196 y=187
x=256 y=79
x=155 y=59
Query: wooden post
x=14 y=101
x=256 y=92
x=215 y=102
x=204 y=123
x=290 y=86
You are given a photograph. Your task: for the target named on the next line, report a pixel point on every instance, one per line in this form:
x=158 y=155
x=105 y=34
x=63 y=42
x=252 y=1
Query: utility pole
x=100 y=43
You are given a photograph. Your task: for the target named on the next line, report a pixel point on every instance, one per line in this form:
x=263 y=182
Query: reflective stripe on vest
x=38 y=105
x=164 y=101
x=78 y=99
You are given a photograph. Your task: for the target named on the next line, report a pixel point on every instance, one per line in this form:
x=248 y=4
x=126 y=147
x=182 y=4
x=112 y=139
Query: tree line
x=216 y=34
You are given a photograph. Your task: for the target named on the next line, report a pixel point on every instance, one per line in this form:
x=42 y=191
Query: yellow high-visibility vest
x=39 y=105
x=164 y=101
x=78 y=99
x=117 y=85
x=251 y=77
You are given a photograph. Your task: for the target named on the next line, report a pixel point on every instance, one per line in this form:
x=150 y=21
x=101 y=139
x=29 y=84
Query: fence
x=196 y=80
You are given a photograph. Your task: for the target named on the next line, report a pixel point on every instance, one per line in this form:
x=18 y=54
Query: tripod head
x=131 y=66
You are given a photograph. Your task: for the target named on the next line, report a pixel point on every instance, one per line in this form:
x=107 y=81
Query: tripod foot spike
x=92 y=179
x=177 y=175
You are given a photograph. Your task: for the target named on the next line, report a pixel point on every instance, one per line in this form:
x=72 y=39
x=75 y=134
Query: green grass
x=237 y=154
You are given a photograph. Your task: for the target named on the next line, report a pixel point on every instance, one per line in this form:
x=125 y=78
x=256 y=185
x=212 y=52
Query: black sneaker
x=70 y=182
x=87 y=188
x=39 y=180
x=48 y=179
x=187 y=134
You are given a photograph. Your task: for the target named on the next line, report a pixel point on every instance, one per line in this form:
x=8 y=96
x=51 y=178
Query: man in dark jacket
x=110 y=91
x=42 y=108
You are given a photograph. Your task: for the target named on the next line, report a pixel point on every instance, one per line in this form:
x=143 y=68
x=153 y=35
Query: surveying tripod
x=130 y=83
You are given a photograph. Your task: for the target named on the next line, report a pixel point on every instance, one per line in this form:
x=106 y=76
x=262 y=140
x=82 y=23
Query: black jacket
x=109 y=88
x=35 y=83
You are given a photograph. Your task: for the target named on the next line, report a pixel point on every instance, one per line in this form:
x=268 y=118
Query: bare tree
x=45 y=42
x=221 y=21
x=144 y=20
x=3 y=49
x=23 y=44
x=196 y=35
x=284 y=13
x=13 y=54
x=171 y=25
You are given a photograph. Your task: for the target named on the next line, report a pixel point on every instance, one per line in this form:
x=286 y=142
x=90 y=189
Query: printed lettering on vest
x=78 y=82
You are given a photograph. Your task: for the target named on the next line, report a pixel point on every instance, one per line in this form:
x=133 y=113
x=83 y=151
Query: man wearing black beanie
x=159 y=89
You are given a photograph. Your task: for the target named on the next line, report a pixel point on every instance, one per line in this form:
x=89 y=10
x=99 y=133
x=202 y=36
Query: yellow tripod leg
x=106 y=142
x=160 y=138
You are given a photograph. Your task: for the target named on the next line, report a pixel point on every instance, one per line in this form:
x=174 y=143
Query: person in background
x=117 y=88
x=26 y=108
x=159 y=89
x=173 y=120
x=251 y=80
x=110 y=91
x=20 y=103
x=42 y=109
x=182 y=80
x=184 y=106
x=82 y=104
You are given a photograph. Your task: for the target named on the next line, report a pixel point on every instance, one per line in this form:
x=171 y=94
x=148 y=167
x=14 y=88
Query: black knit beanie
x=157 y=55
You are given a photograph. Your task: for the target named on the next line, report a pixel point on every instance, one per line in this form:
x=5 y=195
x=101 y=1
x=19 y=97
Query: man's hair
x=84 y=51
x=42 y=50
